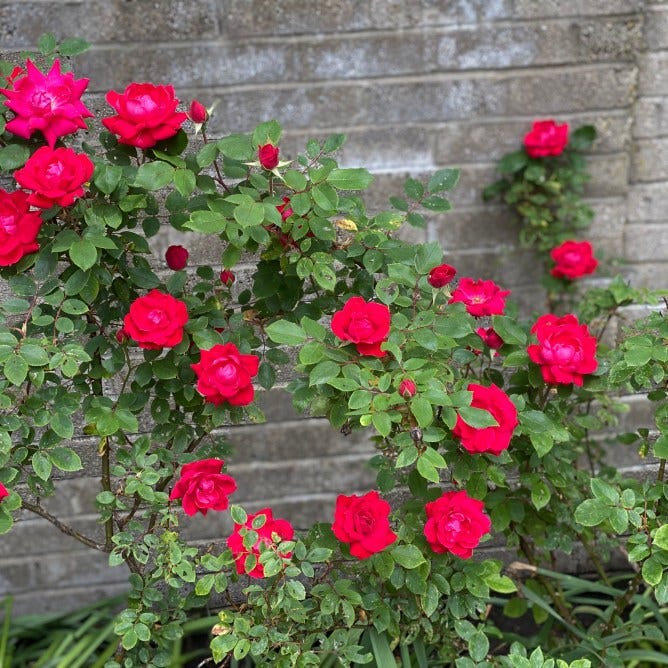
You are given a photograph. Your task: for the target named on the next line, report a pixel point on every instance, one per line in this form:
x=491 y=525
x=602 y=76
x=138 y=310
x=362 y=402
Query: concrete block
x=649 y=161
x=656 y=27
x=647 y=202
x=653 y=73
x=646 y=242
x=650 y=117
x=548 y=8
x=647 y=274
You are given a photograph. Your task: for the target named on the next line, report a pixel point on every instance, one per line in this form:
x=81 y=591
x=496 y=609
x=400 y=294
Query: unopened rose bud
x=197 y=112
x=441 y=275
x=490 y=337
x=407 y=388
x=122 y=336
x=227 y=277
x=176 y=257
x=268 y=156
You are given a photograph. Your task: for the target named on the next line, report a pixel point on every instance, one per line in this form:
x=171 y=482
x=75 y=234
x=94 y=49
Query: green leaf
x=660 y=538
x=591 y=513
x=478 y=418
x=501 y=583
x=41 y=465
x=268 y=132
x=33 y=354
x=382 y=423
x=350 y=179
x=83 y=253
x=540 y=494
x=249 y=213
x=443 y=179
x=513 y=162
x=153 y=175
x=652 y=571
x=65 y=459
x=324 y=276
x=236 y=147
x=286 y=332
x=508 y=329
x=478 y=646
x=266 y=376
x=15 y=369
x=206 y=222
x=13 y=156
x=62 y=424
x=422 y=411
x=408 y=556
x=582 y=138
x=427 y=470
x=107 y=177
x=185 y=181
x=73 y=46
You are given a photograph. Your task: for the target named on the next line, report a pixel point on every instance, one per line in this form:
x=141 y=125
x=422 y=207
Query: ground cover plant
x=485 y=425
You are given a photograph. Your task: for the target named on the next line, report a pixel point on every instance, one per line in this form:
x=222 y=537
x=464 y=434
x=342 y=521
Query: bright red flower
x=546 y=138
x=202 y=486
x=50 y=103
x=573 y=259
x=3 y=492
x=490 y=338
x=227 y=277
x=488 y=439
x=270 y=535
x=224 y=375
x=176 y=257
x=284 y=209
x=566 y=351
x=268 y=156
x=145 y=114
x=407 y=388
x=366 y=324
x=480 y=297
x=198 y=113
x=364 y=523
x=156 y=320
x=19 y=227
x=455 y=523
x=56 y=176
x=441 y=275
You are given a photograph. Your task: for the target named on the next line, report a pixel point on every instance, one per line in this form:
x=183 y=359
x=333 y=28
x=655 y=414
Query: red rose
x=566 y=351
x=176 y=257
x=146 y=114
x=50 y=103
x=122 y=336
x=363 y=522
x=198 y=113
x=480 y=297
x=546 y=138
x=224 y=375
x=488 y=439
x=156 y=320
x=573 y=259
x=455 y=523
x=284 y=209
x=490 y=338
x=441 y=275
x=227 y=277
x=270 y=535
x=19 y=227
x=407 y=388
x=268 y=156
x=202 y=487
x=366 y=324
x=3 y=492
x=56 y=176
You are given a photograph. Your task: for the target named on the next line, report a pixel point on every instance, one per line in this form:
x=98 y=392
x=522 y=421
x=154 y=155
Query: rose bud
x=268 y=156
x=122 y=336
x=176 y=257
x=227 y=277
x=197 y=112
x=407 y=388
x=441 y=275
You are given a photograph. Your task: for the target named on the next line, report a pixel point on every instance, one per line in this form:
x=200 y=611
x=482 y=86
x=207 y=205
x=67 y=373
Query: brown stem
x=105 y=481
x=215 y=166
x=61 y=526
x=662 y=470
x=594 y=559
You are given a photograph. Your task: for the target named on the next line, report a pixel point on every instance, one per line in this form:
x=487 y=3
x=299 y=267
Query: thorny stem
x=215 y=166
x=105 y=482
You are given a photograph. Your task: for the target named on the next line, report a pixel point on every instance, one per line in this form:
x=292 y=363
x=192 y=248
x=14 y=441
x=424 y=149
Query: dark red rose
x=227 y=277
x=156 y=320
x=122 y=336
x=3 y=492
x=224 y=375
x=56 y=176
x=490 y=338
x=566 y=351
x=270 y=535
x=364 y=523
x=202 y=486
x=176 y=257
x=455 y=523
x=145 y=114
x=366 y=324
x=573 y=259
x=488 y=439
x=198 y=113
x=441 y=275
x=268 y=156
x=546 y=138
x=480 y=297
x=284 y=209
x=407 y=388
x=19 y=227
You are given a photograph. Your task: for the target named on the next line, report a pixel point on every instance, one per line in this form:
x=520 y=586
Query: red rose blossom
x=546 y=138
x=441 y=275
x=284 y=209
x=202 y=486
x=270 y=535
x=268 y=156
x=56 y=176
x=366 y=324
x=488 y=439
x=156 y=320
x=573 y=259
x=490 y=338
x=480 y=297
x=146 y=114
x=566 y=351
x=50 y=103
x=198 y=113
x=455 y=523
x=224 y=375
x=227 y=277
x=363 y=522
x=176 y=257
x=19 y=227
x=407 y=388
x=3 y=492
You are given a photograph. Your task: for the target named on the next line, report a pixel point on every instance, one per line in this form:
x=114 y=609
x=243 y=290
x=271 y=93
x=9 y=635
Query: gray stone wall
x=416 y=85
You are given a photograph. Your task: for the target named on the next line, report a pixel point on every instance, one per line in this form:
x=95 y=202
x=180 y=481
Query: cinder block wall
x=416 y=85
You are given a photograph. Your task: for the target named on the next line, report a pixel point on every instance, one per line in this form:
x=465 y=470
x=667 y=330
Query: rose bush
x=378 y=336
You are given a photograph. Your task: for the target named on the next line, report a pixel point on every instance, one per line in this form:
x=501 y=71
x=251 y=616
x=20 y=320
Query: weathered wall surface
x=416 y=85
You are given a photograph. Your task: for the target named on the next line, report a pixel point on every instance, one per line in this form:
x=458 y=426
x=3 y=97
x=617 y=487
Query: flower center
x=8 y=224
x=364 y=522
x=42 y=99
x=478 y=299
x=226 y=373
x=156 y=316
x=54 y=169
x=361 y=327
x=454 y=522
x=141 y=105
